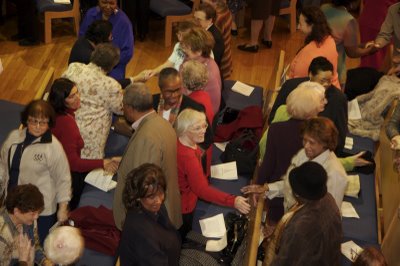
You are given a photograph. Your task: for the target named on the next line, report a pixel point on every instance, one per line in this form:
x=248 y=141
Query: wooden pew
x=255 y=216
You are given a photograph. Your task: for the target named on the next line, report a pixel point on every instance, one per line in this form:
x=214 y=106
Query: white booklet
x=348 y=210
x=224 y=171
x=62 y=2
x=101 y=179
x=354 y=112
x=213 y=226
x=242 y=88
x=351 y=250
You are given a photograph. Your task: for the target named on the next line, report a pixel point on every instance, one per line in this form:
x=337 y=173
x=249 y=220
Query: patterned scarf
x=174 y=110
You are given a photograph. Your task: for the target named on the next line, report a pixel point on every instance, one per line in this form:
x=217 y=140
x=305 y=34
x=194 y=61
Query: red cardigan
x=193 y=183
x=203 y=98
x=67 y=132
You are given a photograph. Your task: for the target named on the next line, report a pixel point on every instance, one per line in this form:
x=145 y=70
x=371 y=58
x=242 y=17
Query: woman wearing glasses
x=190 y=128
x=33 y=155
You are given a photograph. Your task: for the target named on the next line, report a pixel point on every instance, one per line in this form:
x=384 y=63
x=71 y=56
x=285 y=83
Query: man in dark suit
x=320 y=71
x=171 y=101
x=206 y=15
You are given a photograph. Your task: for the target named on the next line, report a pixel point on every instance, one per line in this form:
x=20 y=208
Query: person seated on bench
x=122 y=32
x=148 y=236
x=319 y=141
x=310 y=233
x=65 y=99
x=33 y=155
x=320 y=71
x=193 y=184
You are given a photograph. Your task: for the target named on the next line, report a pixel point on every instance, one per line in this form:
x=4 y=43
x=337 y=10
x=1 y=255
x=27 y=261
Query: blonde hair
x=64 y=245
x=187 y=118
x=194 y=75
x=305 y=101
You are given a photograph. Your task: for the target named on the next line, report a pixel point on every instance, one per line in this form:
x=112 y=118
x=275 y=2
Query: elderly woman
x=197 y=45
x=190 y=127
x=283 y=139
x=101 y=96
x=318 y=42
x=148 y=236
x=319 y=142
x=33 y=155
x=65 y=99
x=122 y=32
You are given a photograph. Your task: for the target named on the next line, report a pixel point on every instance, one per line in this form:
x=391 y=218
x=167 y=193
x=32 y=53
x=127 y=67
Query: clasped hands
x=256 y=191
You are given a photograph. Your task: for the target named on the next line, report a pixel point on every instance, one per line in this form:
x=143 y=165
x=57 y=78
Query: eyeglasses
x=37 y=122
x=199 y=127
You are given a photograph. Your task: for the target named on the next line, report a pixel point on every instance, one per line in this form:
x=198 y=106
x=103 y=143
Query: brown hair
x=25 y=198
x=323 y=130
x=198 y=40
x=370 y=256
x=38 y=109
x=320 y=29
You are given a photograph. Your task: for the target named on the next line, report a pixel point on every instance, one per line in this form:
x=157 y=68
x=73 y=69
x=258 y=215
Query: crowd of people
x=165 y=167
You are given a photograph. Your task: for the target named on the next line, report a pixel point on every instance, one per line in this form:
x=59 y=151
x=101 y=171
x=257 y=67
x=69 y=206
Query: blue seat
x=169 y=8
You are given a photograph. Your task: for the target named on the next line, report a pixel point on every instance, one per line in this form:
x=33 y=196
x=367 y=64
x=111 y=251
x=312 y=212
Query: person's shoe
x=267 y=43
x=248 y=48
x=234 y=32
x=17 y=37
x=28 y=42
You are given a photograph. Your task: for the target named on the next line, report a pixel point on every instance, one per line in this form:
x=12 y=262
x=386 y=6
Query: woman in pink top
x=318 y=42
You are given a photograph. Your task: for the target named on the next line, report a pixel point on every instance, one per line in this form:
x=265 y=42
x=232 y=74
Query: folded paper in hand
x=242 y=88
x=348 y=210
x=101 y=179
x=225 y=171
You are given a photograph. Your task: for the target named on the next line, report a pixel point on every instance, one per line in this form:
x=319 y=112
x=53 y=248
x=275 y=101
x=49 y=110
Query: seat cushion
x=49 y=5
x=169 y=8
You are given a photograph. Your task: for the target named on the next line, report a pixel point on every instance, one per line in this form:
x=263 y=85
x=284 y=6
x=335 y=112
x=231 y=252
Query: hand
x=242 y=205
x=110 y=165
x=395 y=143
x=394 y=70
x=359 y=161
x=149 y=74
x=24 y=248
x=62 y=213
x=259 y=189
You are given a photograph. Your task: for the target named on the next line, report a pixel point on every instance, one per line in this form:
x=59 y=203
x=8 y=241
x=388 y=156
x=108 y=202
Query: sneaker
x=248 y=48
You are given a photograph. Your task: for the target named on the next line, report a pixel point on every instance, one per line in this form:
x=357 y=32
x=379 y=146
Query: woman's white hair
x=187 y=118
x=64 y=245
x=305 y=101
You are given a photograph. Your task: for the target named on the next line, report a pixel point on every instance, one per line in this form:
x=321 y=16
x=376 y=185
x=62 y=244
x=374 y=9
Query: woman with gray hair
x=193 y=184
x=284 y=138
x=101 y=96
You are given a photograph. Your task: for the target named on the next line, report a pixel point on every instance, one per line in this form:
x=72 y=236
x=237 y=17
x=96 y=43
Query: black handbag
x=243 y=149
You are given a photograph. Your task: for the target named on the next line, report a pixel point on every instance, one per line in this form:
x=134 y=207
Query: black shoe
x=28 y=42
x=17 y=37
x=234 y=32
x=267 y=43
x=247 y=48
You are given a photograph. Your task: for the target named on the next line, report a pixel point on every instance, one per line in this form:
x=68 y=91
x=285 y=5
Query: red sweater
x=67 y=132
x=193 y=183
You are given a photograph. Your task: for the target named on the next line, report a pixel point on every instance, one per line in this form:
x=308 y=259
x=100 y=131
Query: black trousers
x=28 y=22
x=138 y=12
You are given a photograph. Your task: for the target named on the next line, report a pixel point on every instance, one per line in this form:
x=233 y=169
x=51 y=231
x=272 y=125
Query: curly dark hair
x=59 y=91
x=38 y=109
x=24 y=197
x=323 y=130
x=99 y=31
x=320 y=28
x=145 y=179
